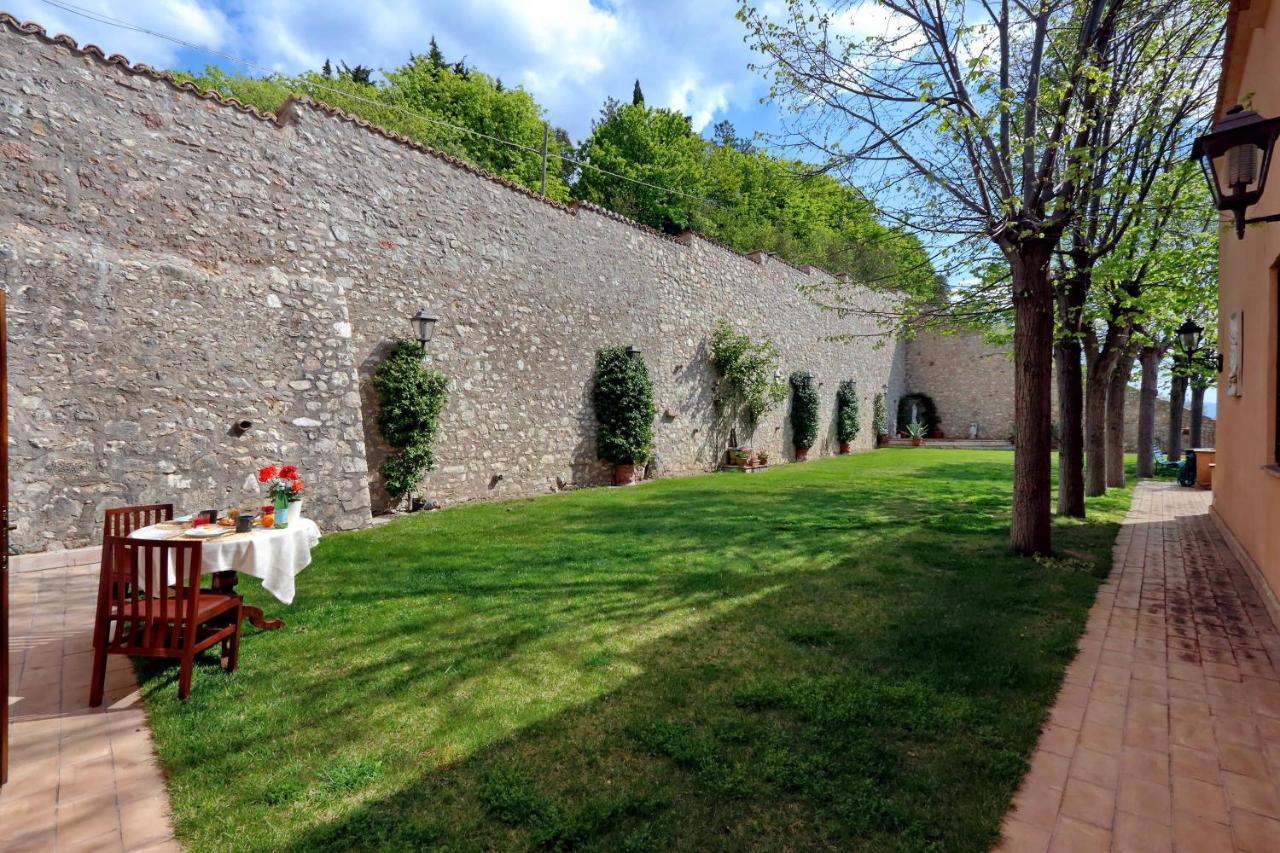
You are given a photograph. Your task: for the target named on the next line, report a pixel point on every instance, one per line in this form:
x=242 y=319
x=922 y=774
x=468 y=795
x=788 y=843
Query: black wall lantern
x=633 y=351
x=423 y=325
x=1189 y=335
x=1235 y=156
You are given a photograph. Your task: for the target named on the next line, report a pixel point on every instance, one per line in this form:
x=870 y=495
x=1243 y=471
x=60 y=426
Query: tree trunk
x=1197 y=413
x=1177 y=399
x=1097 y=385
x=1029 y=531
x=1067 y=355
x=1117 y=395
x=1149 y=357
x=1102 y=366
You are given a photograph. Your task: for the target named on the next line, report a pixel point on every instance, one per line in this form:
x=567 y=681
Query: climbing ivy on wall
x=410 y=399
x=747 y=369
x=804 y=410
x=847 y=411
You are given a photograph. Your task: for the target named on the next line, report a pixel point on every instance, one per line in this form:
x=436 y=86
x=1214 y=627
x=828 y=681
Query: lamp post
x=423 y=325
x=1235 y=156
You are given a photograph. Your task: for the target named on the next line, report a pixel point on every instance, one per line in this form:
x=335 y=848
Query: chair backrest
x=153 y=603
x=123 y=520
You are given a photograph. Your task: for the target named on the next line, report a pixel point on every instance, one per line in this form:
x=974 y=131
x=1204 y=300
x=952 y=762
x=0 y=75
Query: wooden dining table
x=273 y=555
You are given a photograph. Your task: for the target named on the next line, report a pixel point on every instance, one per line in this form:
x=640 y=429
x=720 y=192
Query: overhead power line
x=111 y=21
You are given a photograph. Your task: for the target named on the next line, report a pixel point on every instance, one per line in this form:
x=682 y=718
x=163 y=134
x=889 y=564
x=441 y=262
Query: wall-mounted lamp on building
x=802 y=380
x=1189 y=335
x=633 y=351
x=1235 y=156
x=423 y=325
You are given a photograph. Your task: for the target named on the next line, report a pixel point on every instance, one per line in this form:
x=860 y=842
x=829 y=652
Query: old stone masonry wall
x=177 y=264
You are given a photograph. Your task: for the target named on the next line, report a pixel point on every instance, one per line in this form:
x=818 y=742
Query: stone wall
x=971 y=381
x=177 y=264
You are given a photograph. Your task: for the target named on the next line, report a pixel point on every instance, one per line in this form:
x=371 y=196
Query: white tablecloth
x=273 y=556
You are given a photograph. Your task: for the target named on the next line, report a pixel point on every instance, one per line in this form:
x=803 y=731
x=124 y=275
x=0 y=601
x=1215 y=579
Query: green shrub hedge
x=804 y=411
x=623 y=400
x=847 y=424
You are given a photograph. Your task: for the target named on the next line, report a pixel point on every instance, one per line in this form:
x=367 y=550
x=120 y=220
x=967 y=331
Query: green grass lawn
x=840 y=654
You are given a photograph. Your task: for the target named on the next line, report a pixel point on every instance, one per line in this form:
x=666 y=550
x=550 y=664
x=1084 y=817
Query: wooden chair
x=122 y=521
x=150 y=604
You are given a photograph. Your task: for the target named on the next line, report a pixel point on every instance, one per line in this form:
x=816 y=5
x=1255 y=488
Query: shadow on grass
x=841 y=654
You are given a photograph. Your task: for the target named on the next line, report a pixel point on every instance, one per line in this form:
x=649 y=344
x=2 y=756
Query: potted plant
x=916 y=430
x=804 y=414
x=740 y=456
x=847 y=414
x=623 y=400
x=880 y=418
x=763 y=457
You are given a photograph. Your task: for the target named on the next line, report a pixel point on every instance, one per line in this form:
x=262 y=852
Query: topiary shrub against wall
x=410 y=399
x=747 y=367
x=623 y=399
x=804 y=413
x=847 y=424
x=879 y=415
x=926 y=412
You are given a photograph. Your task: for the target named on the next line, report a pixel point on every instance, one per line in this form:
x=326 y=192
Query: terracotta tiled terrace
x=80 y=778
x=1166 y=734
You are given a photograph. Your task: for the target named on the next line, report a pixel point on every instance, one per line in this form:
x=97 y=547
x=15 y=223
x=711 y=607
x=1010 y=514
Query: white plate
x=209 y=530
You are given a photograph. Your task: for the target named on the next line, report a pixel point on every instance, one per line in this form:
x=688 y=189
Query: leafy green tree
x=980 y=120
x=657 y=150
x=435 y=55
x=471 y=100
x=426 y=100
x=359 y=74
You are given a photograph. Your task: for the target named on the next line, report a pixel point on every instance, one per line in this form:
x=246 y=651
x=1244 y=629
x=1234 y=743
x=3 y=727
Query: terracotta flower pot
x=624 y=475
x=802 y=453
x=916 y=442
x=844 y=447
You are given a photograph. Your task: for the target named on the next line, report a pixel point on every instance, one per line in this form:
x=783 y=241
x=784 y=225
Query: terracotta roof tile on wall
x=282 y=116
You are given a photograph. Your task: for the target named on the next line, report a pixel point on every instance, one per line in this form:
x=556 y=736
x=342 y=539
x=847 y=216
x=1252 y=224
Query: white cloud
x=570 y=54
x=696 y=99
x=190 y=20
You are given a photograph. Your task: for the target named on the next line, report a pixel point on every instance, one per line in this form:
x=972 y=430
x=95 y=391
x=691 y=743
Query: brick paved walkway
x=1166 y=734
x=80 y=778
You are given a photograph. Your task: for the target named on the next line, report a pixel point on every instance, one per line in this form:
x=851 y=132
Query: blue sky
x=570 y=54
